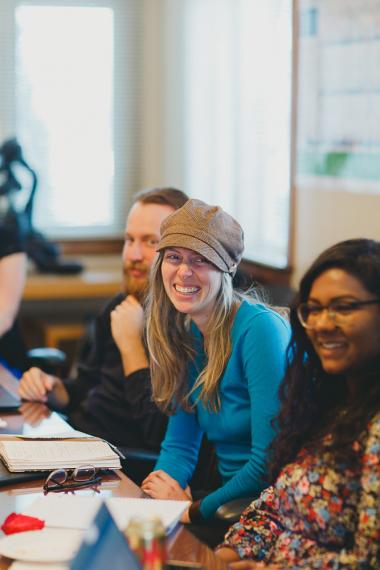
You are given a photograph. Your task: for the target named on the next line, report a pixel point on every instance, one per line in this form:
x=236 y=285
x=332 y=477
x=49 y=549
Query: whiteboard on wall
x=338 y=119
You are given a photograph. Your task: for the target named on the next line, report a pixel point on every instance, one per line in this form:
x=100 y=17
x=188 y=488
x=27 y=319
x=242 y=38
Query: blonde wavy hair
x=171 y=345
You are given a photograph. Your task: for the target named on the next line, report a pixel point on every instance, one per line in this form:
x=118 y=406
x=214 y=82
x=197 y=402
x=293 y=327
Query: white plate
x=19 y=565
x=46 y=545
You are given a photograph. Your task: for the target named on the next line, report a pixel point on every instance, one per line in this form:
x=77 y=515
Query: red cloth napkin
x=20 y=523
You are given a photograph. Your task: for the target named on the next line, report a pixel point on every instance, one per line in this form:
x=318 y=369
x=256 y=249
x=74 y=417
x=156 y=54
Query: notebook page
x=50 y=454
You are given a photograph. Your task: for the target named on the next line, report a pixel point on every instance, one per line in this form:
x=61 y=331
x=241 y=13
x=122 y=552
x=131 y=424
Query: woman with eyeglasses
x=323 y=508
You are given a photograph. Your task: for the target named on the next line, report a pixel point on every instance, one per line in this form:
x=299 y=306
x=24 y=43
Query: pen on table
x=116 y=450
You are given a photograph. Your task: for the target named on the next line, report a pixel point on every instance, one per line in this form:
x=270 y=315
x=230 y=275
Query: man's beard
x=137 y=287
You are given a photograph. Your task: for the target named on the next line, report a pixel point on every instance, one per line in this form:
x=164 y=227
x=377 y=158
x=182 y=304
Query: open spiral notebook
x=20 y=453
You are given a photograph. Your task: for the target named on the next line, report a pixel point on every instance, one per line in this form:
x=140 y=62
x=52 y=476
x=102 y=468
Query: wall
x=161 y=148
x=321 y=217
x=337 y=194
x=326 y=217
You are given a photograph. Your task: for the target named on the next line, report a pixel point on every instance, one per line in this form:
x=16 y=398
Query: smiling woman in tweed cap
x=216 y=359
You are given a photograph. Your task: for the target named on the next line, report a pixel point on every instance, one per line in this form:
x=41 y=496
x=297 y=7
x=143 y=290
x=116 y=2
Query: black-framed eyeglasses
x=62 y=479
x=338 y=311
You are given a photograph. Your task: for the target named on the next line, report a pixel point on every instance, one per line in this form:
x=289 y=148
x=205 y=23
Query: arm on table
x=12 y=280
x=177 y=460
x=37 y=386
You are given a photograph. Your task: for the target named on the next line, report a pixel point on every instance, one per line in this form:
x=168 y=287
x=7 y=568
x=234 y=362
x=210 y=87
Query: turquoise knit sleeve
x=180 y=448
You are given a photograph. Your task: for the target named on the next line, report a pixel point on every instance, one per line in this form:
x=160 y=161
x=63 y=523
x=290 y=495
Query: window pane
x=64 y=111
x=237 y=114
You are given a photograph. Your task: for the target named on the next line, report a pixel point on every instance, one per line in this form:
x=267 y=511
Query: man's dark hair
x=313 y=403
x=166 y=196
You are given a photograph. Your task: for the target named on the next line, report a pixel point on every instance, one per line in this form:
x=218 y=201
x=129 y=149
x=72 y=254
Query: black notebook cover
x=8 y=478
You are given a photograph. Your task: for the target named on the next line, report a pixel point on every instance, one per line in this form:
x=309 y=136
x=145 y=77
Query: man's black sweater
x=106 y=403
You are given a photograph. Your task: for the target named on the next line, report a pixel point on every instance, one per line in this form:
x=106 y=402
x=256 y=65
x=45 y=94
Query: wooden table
x=182 y=545
x=101 y=277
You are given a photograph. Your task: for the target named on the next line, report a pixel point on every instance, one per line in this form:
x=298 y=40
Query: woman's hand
x=159 y=485
x=227 y=554
x=185 y=518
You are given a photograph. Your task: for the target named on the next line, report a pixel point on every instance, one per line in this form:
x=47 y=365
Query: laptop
x=8 y=402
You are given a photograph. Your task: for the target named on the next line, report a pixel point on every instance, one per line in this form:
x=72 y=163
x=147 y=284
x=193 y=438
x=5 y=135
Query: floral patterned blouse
x=317 y=515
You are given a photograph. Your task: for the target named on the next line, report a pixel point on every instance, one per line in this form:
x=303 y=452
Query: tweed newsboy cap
x=208 y=230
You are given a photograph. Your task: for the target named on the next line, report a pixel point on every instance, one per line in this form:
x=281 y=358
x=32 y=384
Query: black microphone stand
x=44 y=253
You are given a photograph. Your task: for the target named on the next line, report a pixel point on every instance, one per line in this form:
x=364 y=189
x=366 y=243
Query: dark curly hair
x=313 y=406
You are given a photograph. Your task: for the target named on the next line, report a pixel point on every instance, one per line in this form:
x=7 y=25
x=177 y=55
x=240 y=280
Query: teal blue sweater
x=240 y=430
